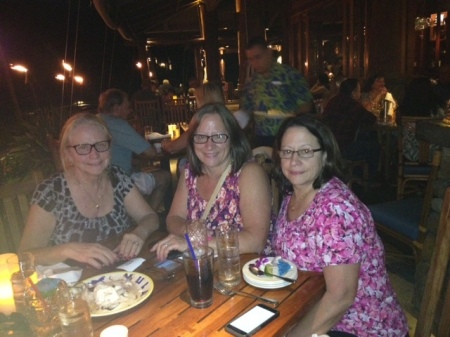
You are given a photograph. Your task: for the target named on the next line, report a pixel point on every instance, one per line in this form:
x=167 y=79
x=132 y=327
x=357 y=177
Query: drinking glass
x=74 y=312
x=198 y=234
x=227 y=241
x=41 y=307
x=23 y=271
x=200 y=277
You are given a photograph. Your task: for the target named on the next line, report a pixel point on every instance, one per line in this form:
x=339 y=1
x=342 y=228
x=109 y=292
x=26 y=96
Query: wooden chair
x=150 y=113
x=435 y=287
x=14 y=206
x=177 y=111
x=411 y=171
x=364 y=179
x=405 y=219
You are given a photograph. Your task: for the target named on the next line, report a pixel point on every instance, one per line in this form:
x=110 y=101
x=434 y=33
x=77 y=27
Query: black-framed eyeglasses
x=220 y=138
x=302 y=153
x=84 y=149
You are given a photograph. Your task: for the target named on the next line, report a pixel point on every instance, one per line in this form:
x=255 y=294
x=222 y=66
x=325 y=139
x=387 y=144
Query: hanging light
x=421 y=23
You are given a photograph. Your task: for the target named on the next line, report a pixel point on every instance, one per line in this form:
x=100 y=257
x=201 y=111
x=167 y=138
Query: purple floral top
x=224 y=211
x=338 y=228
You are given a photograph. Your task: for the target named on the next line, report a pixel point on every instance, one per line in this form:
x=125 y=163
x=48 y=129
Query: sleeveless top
x=54 y=196
x=225 y=211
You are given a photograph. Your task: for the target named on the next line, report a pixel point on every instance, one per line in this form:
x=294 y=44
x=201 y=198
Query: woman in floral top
x=243 y=200
x=324 y=227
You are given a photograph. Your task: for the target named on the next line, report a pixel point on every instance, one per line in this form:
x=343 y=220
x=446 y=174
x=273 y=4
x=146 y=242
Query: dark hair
x=257 y=41
x=240 y=150
x=333 y=166
x=420 y=98
x=370 y=81
x=109 y=98
x=348 y=86
x=324 y=80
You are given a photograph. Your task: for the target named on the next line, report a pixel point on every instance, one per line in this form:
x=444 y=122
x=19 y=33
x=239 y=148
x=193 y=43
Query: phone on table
x=252 y=321
x=168 y=265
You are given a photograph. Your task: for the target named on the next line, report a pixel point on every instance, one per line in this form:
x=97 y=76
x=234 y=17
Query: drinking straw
x=191 y=249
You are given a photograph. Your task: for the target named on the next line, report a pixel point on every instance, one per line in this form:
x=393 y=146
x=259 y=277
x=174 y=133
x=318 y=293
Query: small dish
x=268 y=282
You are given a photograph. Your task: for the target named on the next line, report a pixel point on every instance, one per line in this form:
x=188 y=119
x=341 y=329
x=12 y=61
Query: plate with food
x=115 y=292
x=262 y=272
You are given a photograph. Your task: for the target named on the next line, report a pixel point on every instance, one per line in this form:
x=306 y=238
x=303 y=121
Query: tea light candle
x=7 y=305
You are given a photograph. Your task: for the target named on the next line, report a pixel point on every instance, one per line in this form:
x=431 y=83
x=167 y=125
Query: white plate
x=268 y=282
x=142 y=281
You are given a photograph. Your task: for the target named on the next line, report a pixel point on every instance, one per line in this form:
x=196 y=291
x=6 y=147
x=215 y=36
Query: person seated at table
x=113 y=108
x=420 y=100
x=321 y=92
x=350 y=123
x=206 y=93
x=374 y=92
x=323 y=227
x=243 y=200
x=73 y=211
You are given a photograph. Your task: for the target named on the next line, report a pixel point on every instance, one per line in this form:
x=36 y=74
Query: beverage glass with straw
x=199 y=269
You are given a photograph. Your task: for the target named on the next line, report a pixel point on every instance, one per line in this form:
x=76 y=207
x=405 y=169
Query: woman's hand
x=170 y=242
x=93 y=254
x=129 y=247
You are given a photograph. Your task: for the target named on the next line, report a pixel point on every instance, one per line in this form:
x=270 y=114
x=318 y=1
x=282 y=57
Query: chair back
x=435 y=287
x=411 y=170
x=150 y=113
x=177 y=111
x=14 y=206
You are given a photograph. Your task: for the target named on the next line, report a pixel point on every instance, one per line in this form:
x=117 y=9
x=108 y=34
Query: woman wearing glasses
x=90 y=201
x=323 y=227
x=244 y=197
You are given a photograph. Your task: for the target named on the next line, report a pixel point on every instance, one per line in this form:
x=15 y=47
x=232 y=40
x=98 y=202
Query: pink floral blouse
x=338 y=228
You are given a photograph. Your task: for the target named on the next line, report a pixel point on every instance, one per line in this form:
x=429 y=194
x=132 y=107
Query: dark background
x=39 y=34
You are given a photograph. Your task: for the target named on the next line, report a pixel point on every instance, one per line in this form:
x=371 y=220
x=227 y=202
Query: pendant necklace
x=99 y=198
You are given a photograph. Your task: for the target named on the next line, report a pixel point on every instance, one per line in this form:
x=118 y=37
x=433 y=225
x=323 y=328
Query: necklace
x=99 y=198
x=295 y=203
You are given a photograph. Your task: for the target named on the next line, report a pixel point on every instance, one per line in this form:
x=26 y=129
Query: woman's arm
x=35 y=239
x=341 y=286
x=147 y=222
x=256 y=206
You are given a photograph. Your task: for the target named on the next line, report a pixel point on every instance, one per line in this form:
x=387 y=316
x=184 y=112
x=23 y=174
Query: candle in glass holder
x=7 y=305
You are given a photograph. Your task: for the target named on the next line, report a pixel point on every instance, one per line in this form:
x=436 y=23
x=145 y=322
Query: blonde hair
x=82 y=118
x=208 y=93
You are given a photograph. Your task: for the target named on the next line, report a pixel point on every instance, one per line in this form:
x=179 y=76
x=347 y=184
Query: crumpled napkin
x=61 y=271
x=132 y=264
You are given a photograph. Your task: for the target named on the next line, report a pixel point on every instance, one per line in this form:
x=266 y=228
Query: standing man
x=114 y=107
x=274 y=92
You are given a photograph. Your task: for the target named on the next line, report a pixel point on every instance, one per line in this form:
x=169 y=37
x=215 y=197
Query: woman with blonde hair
x=73 y=212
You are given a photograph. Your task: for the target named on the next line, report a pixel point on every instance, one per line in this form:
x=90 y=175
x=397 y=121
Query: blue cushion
x=401 y=216
x=416 y=170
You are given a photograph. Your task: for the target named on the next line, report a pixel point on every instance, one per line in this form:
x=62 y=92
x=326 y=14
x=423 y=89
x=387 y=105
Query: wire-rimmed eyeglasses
x=302 y=153
x=220 y=138
x=84 y=149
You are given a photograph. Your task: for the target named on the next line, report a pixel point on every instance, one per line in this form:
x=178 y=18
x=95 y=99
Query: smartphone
x=168 y=265
x=252 y=321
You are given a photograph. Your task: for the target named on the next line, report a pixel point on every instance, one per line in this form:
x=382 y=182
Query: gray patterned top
x=53 y=195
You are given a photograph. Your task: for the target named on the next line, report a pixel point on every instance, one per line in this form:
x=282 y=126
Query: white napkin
x=60 y=270
x=242 y=118
x=156 y=135
x=131 y=264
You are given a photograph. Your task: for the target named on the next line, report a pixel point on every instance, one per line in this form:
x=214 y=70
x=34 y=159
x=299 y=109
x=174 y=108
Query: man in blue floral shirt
x=274 y=92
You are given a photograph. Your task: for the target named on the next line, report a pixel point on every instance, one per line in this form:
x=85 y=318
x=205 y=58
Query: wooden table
x=167 y=311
